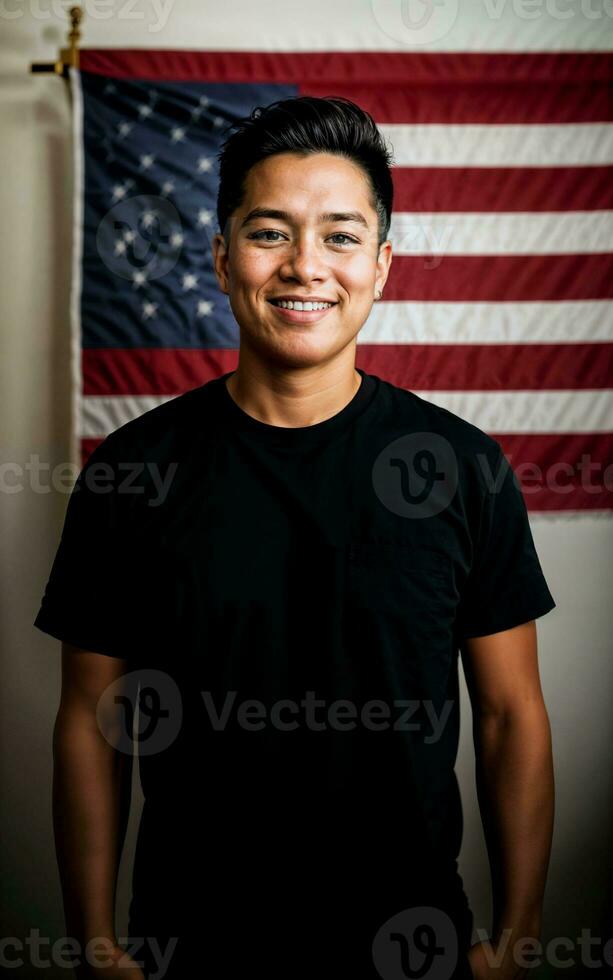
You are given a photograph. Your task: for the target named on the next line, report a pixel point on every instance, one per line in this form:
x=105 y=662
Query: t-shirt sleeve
x=86 y=601
x=506 y=585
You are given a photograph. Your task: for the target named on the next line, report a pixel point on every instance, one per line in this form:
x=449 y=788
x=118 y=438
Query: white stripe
x=384 y=25
x=476 y=145
x=76 y=378
x=530 y=411
x=104 y=414
x=502 y=233
x=489 y=323
x=492 y=411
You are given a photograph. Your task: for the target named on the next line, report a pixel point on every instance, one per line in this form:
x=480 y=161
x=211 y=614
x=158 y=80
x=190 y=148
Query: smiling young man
x=328 y=544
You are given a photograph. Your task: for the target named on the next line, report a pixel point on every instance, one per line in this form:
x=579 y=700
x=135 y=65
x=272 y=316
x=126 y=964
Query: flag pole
x=67 y=67
x=69 y=57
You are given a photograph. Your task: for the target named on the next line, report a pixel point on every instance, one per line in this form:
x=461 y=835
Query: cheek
x=358 y=278
x=252 y=271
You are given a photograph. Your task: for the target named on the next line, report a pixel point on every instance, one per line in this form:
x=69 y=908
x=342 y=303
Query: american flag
x=498 y=303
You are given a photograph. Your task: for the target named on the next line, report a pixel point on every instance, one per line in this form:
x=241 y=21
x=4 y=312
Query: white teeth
x=288 y=304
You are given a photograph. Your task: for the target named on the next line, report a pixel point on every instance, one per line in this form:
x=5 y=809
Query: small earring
x=378 y=294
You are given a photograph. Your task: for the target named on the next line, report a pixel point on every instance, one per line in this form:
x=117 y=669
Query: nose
x=304 y=261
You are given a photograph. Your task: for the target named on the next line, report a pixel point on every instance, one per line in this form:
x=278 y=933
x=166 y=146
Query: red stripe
x=498 y=278
x=304 y=68
x=153 y=370
x=548 y=468
x=562 y=471
x=497 y=103
x=87 y=448
x=442 y=367
x=490 y=367
x=452 y=189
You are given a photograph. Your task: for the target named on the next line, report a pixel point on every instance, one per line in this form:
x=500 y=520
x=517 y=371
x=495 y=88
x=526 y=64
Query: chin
x=297 y=354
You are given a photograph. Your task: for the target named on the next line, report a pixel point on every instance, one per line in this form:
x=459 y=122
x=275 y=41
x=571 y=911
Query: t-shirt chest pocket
x=398 y=581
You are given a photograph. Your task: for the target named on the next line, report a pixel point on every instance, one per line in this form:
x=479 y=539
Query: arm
x=91 y=798
x=515 y=785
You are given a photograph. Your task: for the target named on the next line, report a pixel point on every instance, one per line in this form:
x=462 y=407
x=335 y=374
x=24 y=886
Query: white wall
x=575 y=640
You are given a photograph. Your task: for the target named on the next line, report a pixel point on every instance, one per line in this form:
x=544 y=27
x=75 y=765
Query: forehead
x=295 y=180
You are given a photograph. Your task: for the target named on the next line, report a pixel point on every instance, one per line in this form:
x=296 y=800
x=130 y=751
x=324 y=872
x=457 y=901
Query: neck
x=293 y=397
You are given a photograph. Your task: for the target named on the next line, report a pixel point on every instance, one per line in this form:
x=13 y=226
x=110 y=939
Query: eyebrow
x=331 y=217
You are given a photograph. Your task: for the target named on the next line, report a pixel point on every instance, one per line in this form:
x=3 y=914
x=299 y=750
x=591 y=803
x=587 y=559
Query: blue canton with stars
x=150 y=181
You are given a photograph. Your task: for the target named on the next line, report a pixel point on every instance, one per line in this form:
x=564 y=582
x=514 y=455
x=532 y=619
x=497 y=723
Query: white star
x=109 y=88
x=144 y=111
x=204 y=307
x=204 y=164
x=147 y=218
x=120 y=248
x=190 y=281
x=204 y=216
x=204 y=101
x=218 y=121
x=149 y=310
x=176 y=239
x=177 y=133
x=147 y=160
x=129 y=236
x=196 y=113
x=139 y=278
x=124 y=128
x=168 y=187
x=119 y=191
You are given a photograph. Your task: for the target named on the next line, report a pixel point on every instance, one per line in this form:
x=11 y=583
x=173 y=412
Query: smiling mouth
x=300 y=314
x=305 y=306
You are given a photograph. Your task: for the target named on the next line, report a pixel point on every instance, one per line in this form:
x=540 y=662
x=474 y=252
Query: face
x=320 y=243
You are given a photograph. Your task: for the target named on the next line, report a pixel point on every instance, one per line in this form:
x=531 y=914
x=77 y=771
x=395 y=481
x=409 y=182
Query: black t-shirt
x=317 y=582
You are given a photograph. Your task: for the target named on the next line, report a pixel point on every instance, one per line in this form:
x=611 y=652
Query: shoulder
x=474 y=450
x=162 y=432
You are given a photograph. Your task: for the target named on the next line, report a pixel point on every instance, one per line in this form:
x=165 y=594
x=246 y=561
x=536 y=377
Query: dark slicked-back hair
x=306 y=124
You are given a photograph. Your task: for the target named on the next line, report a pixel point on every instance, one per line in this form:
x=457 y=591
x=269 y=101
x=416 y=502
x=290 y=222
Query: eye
x=341 y=234
x=257 y=235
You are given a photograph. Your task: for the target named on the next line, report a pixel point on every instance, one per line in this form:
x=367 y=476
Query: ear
x=384 y=262
x=220 y=262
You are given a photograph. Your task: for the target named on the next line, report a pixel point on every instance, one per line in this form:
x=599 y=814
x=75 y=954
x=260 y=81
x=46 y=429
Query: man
x=327 y=544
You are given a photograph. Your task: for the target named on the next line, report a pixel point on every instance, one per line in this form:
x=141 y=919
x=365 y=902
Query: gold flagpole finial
x=69 y=57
